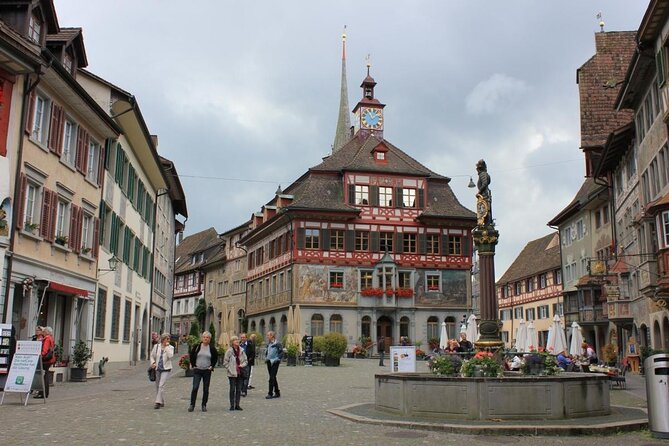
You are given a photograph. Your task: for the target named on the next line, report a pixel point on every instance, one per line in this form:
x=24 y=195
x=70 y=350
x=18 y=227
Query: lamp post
x=113 y=263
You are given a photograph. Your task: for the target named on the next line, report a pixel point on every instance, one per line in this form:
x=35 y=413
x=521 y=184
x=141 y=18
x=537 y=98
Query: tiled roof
x=600 y=80
x=198 y=242
x=65 y=35
x=441 y=201
x=588 y=189
x=320 y=192
x=538 y=256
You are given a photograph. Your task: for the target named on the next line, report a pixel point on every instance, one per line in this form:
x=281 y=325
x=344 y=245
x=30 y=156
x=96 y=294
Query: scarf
x=235 y=351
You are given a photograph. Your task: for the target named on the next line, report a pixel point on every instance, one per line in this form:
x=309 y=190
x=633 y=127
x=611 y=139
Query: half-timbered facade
x=369 y=243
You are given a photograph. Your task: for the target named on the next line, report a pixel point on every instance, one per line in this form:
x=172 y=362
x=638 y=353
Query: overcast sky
x=249 y=92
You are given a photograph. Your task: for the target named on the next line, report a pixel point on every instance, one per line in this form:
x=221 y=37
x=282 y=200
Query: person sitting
x=590 y=353
x=465 y=345
x=564 y=361
x=452 y=347
x=515 y=363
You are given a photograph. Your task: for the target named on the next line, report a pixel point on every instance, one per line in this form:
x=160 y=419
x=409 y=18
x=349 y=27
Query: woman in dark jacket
x=203 y=358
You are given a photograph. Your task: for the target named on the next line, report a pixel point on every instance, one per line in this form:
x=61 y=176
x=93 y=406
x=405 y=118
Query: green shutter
x=373 y=195
x=325 y=238
x=421 y=198
x=422 y=244
x=466 y=246
x=374 y=241
x=109 y=147
x=351 y=194
x=444 y=245
x=349 y=242
x=399 y=202
x=300 y=238
x=399 y=242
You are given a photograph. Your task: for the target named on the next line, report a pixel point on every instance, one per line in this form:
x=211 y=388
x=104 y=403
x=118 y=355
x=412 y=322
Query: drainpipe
x=153 y=253
x=27 y=90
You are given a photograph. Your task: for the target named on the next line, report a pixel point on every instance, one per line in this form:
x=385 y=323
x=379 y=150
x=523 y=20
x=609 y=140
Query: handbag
x=152 y=374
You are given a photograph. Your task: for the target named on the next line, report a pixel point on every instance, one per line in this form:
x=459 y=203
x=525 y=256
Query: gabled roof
x=442 y=202
x=589 y=189
x=538 y=256
x=198 y=242
x=70 y=36
x=320 y=192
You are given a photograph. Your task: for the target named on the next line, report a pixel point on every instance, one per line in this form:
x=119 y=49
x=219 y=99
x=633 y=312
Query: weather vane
x=369 y=62
x=601 y=22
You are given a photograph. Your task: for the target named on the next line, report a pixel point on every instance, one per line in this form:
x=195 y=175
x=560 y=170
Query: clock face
x=372 y=118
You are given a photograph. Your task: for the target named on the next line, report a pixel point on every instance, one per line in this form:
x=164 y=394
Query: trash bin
x=657 y=391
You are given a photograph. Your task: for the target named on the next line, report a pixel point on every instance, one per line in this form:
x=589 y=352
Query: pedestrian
x=161 y=360
x=245 y=345
x=251 y=355
x=203 y=357
x=235 y=361
x=465 y=345
x=48 y=359
x=403 y=341
x=273 y=359
x=381 y=346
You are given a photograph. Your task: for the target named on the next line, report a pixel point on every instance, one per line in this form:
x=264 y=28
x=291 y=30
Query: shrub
x=483 y=361
x=319 y=344
x=81 y=354
x=445 y=365
x=195 y=329
x=212 y=330
x=259 y=338
x=334 y=345
x=292 y=350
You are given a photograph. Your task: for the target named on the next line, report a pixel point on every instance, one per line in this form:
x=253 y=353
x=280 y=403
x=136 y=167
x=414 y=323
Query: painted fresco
x=312 y=285
x=453 y=290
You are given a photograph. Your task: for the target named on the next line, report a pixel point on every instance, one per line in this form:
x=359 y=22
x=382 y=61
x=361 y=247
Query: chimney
x=154 y=140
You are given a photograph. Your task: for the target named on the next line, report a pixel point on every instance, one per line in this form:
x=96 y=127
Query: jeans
x=235 y=390
x=205 y=377
x=247 y=379
x=273 y=369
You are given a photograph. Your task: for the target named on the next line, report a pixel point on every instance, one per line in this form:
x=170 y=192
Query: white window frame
x=436 y=274
x=69 y=142
x=93 y=160
x=31 y=208
x=580 y=229
x=385 y=196
x=409 y=196
x=35 y=28
x=87 y=231
x=62 y=226
x=665 y=227
x=361 y=195
x=41 y=117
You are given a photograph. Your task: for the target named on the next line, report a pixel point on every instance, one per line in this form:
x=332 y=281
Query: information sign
x=403 y=358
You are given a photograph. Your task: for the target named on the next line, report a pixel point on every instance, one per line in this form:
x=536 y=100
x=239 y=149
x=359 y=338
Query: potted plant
x=85 y=250
x=334 y=346
x=610 y=353
x=184 y=363
x=80 y=356
x=433 y=343
x=292 y=351
x=31 y=227
x=61 y=240
x=445 y=365
x=483 y=364
x=359 y=351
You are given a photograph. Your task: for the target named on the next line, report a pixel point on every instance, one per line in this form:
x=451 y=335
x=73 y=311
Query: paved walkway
x=119 y=409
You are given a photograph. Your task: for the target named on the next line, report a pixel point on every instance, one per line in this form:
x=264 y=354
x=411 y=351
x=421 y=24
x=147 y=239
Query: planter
x=331 y=362
x=291 y=361
x=59 y=374
x=536 y=369
x=188 y=373
x=78 y=375
x=350 y=355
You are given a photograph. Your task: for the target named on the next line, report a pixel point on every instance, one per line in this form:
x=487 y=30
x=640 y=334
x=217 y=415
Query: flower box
x=404 y=292
x=372 y=292
x=336 y=285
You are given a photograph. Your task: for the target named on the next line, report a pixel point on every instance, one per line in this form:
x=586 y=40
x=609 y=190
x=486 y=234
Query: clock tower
x=369 y=111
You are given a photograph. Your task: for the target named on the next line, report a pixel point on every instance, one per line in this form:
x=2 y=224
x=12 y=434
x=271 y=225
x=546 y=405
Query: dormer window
x=380 y=156
x=35 y=29
x=67 y=62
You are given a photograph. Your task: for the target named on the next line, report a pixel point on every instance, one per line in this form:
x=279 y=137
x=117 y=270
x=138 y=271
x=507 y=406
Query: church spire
x=343 y=133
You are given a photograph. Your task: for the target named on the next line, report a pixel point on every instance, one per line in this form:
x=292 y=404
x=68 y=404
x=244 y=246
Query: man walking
x=251 y=355
x=246 y=345
x=273 y=359
x=381 y=345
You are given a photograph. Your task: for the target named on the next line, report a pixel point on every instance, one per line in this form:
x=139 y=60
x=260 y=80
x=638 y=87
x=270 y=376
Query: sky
x=244 y=96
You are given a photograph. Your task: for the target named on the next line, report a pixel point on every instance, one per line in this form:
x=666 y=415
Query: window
x=558 y=309
x=404 y=326
x=529 y=285
x=432 y=328
x=93 y=162
x=518 y=313
x=380 y=156
x=409 y=198
x=433 y=281
x=337 y=240
x=361 y=241
x=454 y=246
x=30 y=214
x=558 y=277
x=542 y=281
x=665 y=227
x=361 y=194
x=366 y=279
x=67 y=62
x=518 y=288
x=566 y=236
x=544 y=312
x=409 y=243
x=432 y=241
x=385 y=196
x=126 y=321
x=404 y=279
x=580 y=229
x=312 y=238
x=62 y=219
x=386 y=241
x=529 y=314
x=317 y=325
x=100 y=313
x=116 y=316
x=337 y=279
x=336 y=323
x=69 y=142
x=35 y=29
x=40 y=128
x=366 y=326
x=505 y=315
x=86 y=233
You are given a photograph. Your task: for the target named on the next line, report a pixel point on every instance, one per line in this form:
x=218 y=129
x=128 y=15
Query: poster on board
x=22 y=370
x=403 y=358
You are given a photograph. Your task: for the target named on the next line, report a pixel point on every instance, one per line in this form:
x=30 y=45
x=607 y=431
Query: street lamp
x=113 y=263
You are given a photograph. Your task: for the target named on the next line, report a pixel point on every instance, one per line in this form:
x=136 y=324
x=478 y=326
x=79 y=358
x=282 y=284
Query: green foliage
x=319 y=344
x=192 y=341
x=433 y=343
x=81 y=354
x=292 y=350
x=482 y=363
x=418 y=343
x=212 y=330
x=334 y=345
x=259 y=338
x=195 y=329
x=58 y=352
x=648 y=351
x=445 y=365
x=365 y=342
x=200 y=311
x=543 y=362
x=184 y=361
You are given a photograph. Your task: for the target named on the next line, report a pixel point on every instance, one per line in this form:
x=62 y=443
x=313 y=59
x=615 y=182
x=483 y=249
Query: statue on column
x=484 y=196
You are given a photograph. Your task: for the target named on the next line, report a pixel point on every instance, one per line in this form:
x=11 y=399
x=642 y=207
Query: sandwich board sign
x=22 y=370
x=403 y=358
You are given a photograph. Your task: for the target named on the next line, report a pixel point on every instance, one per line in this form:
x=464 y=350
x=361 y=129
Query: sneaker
x=244 y=394
x=250 y=387
x=277 y=395
x=156 y=406
x=191 y=408
x=269 y=397
x=238 y=408
x=204 y=408
x=232 y=407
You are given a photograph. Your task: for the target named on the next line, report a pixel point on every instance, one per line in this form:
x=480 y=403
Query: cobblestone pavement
x=118 y=409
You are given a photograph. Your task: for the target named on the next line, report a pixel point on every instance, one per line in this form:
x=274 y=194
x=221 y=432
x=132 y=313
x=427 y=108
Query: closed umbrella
x=443 y=337
x=224 y=338
x=232 y=322
x=557 y=341
x=521 y=336
x=575 y=347
x=472 y=329
x=532 y=338
x=297 y=321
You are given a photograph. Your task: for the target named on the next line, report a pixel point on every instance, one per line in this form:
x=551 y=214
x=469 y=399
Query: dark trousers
x=382 y=355
x=273 y=369
x=245 y=379
x=235 y=390
x=47 y=379
x=205 y=377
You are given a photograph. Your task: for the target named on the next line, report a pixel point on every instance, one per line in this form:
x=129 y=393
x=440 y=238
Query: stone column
x=485 y=240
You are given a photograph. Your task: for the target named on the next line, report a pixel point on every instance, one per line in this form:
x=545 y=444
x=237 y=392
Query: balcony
x=592 y=315
x=618 y=307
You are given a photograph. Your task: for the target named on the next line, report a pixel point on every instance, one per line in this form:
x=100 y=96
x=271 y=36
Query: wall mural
x=312 y=285
x=453 y=289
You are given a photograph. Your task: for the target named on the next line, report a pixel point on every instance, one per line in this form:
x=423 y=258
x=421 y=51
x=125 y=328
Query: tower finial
x=601 y=22
x=343 y=44
x=369 y=62
x=343 y=132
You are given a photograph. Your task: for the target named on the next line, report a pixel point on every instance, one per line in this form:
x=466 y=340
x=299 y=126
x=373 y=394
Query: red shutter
x=44 y=224
x=30 y=113
x=79 y=159
x=52 y=143
x=21 y=201
x=96 y=237
x=101 y=165
x=60 y=130
x=74 y=218
x=53 y=217
x=84 y=160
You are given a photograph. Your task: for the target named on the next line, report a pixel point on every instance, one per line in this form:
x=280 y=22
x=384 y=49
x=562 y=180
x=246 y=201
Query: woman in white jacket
x=161 y=360
x=235 y=363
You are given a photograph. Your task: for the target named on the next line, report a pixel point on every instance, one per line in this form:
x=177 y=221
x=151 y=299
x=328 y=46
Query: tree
x=212 y=330
x=200 y=311
x=195 y=329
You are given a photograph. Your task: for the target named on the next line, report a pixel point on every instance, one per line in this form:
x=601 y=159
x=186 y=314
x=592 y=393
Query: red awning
x=66 y=289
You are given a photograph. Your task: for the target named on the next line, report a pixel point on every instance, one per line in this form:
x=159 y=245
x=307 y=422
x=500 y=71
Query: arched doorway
x=261 y=326
x=384 y=328
x=253 y=326
x=450 y=327
x=643 y=336
x=272 y=325
x=657 y=336
x=317 y=325
x=283 y=326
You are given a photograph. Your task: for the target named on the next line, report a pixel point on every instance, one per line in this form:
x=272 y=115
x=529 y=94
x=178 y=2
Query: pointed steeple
x=343 y=133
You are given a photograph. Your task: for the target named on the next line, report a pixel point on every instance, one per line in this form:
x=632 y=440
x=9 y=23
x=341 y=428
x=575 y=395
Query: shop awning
x=66 y=289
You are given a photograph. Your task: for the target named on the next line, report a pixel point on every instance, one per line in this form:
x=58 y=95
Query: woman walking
x=161 y=360
x=203 y=358
x=235 y=361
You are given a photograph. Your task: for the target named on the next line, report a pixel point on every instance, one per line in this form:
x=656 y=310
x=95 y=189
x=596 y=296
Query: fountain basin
x=519 y=397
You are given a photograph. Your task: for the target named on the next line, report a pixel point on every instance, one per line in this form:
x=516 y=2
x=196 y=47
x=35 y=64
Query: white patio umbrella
x=557 y=341
x=232 y=322
x=472 y=329
x=289 y=322
x=532 y=338
x=224 y=338
x=521 y=336
x=443 y=337
x=575 y=348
